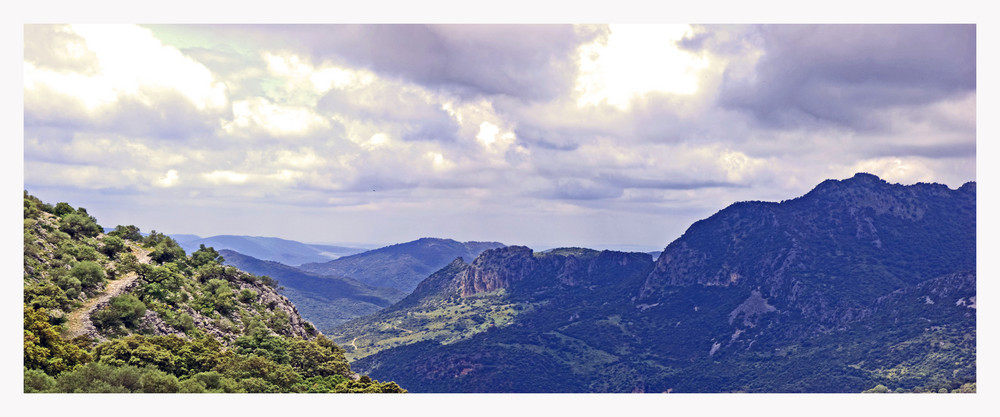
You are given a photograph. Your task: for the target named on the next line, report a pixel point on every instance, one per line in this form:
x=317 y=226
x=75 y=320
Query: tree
x=167 y=250
x=881 y=389
x=320 y=357
x=112 y=245
x=62 y=209
x=205 y=255
x=140 y=351
x=44 y=348
x=79 y=225
x=129 y=232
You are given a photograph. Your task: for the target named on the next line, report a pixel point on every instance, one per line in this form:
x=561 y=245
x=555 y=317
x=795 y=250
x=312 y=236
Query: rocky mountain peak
x=813 y=253
x=497 y=268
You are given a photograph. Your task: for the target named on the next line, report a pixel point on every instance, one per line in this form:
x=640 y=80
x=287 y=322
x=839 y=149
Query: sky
x=604 y=136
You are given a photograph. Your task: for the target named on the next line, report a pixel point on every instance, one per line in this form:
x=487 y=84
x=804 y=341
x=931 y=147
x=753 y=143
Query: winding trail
x=400 y=328
x=78 y=322
x=352 y=343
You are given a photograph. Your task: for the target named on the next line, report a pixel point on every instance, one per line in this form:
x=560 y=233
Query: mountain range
x=325 y=301
x=857 y=285
x=328 y=300
x=401 y=266
x=288 y=252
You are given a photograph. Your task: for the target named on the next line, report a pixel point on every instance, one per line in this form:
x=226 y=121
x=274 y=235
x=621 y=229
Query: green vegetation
x=162 y=321
x=443 y=320
x=326 y=301
x=857 y=286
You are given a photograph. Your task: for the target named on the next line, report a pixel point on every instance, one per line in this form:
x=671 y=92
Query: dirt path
x=400 y=328
x=352 y=343
x=79 y=322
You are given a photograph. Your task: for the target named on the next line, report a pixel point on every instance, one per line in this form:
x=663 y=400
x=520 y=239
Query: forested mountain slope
x=401 y=266
x=857 y=284
x=325 y=301
x=120 y=312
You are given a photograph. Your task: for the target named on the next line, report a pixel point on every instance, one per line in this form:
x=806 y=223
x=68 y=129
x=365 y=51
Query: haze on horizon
x=543 y=135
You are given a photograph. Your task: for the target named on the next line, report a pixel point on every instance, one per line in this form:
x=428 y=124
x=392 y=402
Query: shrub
x=112 y=245
x=77 y=224
x=37 y=381
x=127 y=232
x=247 y=295
x=100 y=377
x=62 y=209
x=121 y=310
x=204 y=255
x=90 y=274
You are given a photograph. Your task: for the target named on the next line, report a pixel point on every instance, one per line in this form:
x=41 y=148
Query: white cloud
x=168 y=180
x=131 y=62
x=277 y=120
x=226 y=177
x=634 y=60
x=487 y=133
x=304 y=158
x=901 y=170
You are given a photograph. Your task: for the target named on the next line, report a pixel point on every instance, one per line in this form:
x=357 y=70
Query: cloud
x=840 y=74
x=116 y=78
x=530 y=62
x=450 y=130
x=632 y=60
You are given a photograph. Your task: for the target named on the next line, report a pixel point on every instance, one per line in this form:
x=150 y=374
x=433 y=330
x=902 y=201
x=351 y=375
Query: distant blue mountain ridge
x=288 y=252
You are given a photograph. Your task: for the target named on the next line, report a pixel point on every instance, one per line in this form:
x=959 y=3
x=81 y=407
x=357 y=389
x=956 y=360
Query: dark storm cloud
x=531 y=62
x=844 y=74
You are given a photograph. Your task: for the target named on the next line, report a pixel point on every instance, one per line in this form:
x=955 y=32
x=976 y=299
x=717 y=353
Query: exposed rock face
x=504 y=267
x=495 y=269
x=753 y=307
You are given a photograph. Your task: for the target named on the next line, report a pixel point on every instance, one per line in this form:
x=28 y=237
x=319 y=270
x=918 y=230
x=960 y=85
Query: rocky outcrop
x=495 y=269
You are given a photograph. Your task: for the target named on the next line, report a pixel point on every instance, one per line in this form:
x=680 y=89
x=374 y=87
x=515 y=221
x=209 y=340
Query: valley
x=857 y=285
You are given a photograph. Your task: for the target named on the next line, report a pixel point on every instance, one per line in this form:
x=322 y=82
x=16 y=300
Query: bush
x=121 y=310
x=112 y=245
x=77 y=225
x=100 y=377
x=62 y=209
x=44 y=347
x=37 y=381
x=167 y=250
x=90 y=274
x=127 y=233
x=70 y=250
x=247 y=295
x=45 y=294
x=204 y=255
x=68 y=283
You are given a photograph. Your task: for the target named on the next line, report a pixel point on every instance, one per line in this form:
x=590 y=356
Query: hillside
x=401 y=266
x=288 y=252
x=120 y=312
x=855 y=285
x=325 y=301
